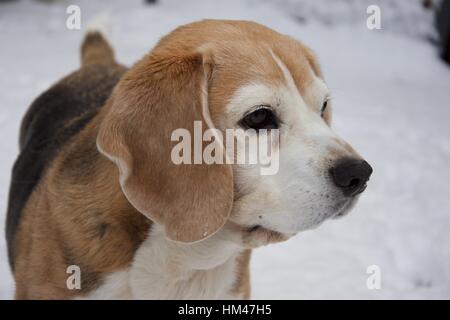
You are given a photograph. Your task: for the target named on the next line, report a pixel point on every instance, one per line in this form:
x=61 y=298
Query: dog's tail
x=95 y=47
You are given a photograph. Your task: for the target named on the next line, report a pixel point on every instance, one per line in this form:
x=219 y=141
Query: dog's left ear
x=165 y=91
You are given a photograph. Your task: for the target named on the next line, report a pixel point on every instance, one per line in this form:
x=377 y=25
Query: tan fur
x=79 y=214
x=96 y=50
x=76 y=216
x=242 y=286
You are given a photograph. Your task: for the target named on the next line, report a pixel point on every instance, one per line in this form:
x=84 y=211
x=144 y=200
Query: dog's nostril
x=354 y=183
x=351 y=175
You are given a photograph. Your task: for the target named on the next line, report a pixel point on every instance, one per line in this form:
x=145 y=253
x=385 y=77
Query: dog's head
x=229 y=75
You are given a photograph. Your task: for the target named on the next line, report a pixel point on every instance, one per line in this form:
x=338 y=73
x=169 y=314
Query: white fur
x=100 y=23
x=163 y=269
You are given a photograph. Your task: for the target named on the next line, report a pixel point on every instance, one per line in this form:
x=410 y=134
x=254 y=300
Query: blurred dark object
x=151 y=1
x=443 y=28
x=427 y=4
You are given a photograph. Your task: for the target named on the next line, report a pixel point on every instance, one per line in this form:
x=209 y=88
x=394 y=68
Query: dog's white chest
x=165 y=270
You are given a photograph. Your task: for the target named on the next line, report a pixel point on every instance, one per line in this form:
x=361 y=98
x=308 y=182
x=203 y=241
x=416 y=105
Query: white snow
x=391 y=101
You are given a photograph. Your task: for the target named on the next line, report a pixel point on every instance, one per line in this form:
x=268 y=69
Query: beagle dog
x=94 y=188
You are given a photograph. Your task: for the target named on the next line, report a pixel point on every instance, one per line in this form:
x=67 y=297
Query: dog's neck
x=163 y=269
x=203 y=270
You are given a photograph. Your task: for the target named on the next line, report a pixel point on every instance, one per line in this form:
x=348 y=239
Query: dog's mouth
x=258 y=234
x=261 y=229
x=264 y=235
x=346 y=207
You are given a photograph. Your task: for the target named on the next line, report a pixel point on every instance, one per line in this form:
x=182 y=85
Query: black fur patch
x=76 y=99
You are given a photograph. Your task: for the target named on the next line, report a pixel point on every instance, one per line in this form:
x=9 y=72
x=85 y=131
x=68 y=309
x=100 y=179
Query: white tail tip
x=100 y=23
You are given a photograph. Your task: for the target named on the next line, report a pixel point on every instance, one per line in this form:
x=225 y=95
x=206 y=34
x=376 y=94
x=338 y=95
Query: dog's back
x=54 y=118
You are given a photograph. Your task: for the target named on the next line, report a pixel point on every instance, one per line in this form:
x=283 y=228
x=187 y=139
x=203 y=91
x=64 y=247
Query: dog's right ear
x=163 y=92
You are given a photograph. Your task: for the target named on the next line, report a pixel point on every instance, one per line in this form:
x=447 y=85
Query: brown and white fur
x=111 y=201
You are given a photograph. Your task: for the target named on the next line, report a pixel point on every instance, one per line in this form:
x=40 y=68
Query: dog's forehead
x=277 y=62
x=243 y=53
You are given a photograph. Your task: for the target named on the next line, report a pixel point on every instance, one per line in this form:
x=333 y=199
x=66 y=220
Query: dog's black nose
x=351 y=175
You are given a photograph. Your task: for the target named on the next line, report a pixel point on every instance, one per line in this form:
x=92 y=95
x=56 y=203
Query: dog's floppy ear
x=163 y=92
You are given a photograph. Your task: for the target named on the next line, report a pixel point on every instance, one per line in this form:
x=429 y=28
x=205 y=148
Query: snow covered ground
x=391 y=101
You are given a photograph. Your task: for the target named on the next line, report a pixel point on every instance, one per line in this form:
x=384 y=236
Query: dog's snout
x=351 y=175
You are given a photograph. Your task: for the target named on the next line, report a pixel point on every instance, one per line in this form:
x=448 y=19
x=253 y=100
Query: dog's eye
x=324 y=107
x=262 y=118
